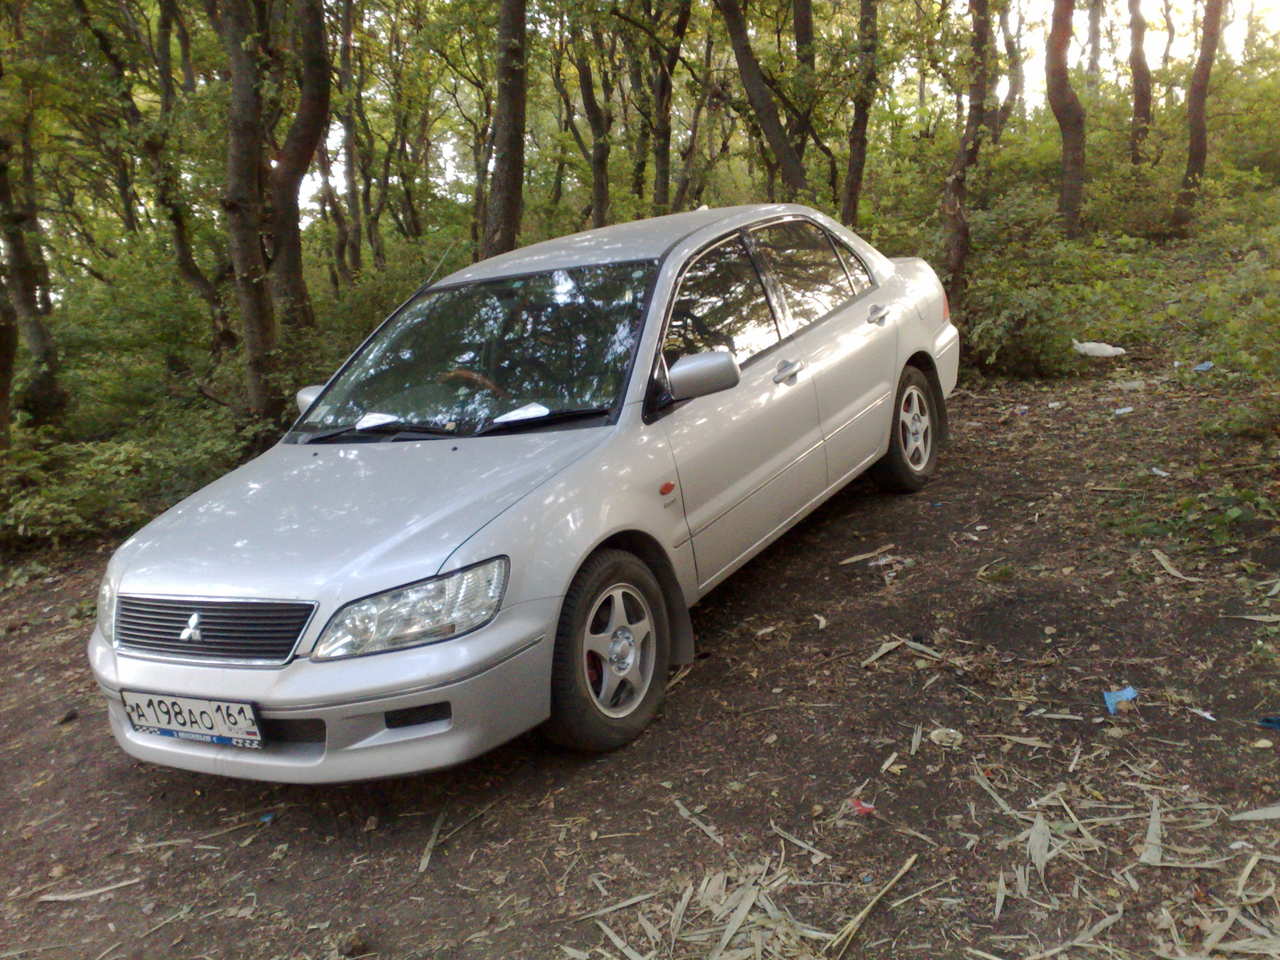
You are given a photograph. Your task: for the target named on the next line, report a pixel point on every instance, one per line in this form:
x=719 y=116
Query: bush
x=56 y=490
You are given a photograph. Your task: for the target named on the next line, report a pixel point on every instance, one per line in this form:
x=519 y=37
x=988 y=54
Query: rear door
x=839 y=323
x=749 y=458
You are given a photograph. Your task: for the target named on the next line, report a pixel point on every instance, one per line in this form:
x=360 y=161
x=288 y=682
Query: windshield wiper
x=392 y=427
x=542 y=420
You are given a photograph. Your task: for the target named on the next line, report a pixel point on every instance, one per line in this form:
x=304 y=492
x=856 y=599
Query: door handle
x=878 y=315
x=787 y=370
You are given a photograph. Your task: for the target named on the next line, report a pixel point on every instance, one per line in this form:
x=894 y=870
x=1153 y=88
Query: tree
x=506 y=194
x=763 y=106
x=1069 y=114
x=8 y=361
x=1197 y=95
x=261 y=196
x=864 y=92
x=1140 y=122
x=1093 y=74
x=25 y=286
x=955 y=190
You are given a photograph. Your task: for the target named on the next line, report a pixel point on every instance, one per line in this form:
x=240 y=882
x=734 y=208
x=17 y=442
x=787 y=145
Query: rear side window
x=858 y=272
x=806 y=267
x=721 y=305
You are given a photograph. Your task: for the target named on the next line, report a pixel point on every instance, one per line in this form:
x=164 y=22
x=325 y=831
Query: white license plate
x=188 y=718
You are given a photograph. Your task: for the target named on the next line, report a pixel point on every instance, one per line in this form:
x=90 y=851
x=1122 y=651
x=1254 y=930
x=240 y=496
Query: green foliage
x=56 y=490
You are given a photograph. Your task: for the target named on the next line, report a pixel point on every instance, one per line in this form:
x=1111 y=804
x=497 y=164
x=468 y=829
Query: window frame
x=655 y=406
x=835 y=243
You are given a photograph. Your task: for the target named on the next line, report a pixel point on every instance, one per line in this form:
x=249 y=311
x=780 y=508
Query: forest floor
x=807 y=762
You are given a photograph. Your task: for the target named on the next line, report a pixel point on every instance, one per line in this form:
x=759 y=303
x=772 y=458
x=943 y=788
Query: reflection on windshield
x=462 y=356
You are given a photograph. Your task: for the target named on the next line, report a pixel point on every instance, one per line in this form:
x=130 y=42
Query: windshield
x=457 y=359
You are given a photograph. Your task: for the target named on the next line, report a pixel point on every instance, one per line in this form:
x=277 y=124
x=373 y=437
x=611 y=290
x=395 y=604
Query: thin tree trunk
x=763 y=107
x=1093 y=74
x=955 y=191
x=506 y=195
x=311 y=117
x=601 y=122
x=1141 y=120
x=1070 y=115
x=663 y=62
x=8 y=359
x=1017 y=78
x=44 y=397
x=864 y=94
x=243 y=203
x=350 y=148
x=1197 y=95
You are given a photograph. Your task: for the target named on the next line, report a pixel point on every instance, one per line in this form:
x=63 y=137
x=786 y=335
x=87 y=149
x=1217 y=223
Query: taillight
x=946 y=308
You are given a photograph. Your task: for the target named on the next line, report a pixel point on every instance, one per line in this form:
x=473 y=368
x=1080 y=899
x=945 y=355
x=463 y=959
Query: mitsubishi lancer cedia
x=497 y=513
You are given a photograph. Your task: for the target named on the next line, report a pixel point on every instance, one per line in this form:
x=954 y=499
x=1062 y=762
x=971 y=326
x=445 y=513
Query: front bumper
x=328 y=722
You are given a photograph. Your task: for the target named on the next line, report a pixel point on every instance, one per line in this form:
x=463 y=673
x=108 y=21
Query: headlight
x=107 y=610
x=437 y=609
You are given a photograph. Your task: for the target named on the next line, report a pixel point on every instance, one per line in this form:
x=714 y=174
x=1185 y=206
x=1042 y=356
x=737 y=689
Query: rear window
x=806 y=267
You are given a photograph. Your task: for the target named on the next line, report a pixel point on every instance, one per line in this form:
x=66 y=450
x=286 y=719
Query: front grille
x=257 y=630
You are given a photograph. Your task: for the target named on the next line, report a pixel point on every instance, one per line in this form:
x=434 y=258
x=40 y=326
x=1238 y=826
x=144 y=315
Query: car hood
x=331 y=522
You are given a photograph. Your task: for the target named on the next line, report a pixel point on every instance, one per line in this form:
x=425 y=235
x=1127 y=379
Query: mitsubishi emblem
x=192 y=630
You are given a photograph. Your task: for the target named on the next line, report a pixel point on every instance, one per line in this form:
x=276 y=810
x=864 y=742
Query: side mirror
x=699 y=374
x=307 y=396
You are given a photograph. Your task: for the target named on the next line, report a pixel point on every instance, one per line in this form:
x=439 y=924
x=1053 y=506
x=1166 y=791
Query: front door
x=749 y=458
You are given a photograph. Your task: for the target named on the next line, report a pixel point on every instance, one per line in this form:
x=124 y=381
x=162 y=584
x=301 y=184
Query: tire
x=613 y=647
x=912 y=459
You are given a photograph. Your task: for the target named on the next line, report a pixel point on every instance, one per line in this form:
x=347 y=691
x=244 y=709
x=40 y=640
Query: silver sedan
x=498 y=512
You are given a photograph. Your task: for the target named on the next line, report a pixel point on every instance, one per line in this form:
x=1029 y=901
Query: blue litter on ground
x=1113 y=698
x=1204 y=367
x=1272 y=722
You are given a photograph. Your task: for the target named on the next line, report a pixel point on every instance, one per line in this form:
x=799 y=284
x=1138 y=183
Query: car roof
x=637 y=240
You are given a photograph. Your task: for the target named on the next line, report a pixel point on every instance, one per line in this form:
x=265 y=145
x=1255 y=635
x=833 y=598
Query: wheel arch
x=650 y=551
x=923 y=362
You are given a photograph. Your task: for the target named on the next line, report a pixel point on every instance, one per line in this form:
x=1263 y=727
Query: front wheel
x=613 y=646
x=912 y=459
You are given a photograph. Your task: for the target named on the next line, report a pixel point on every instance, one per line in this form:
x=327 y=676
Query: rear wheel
x=912 y=458
x=613 y=646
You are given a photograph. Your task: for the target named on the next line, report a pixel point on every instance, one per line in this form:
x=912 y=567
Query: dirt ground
x=903 y=696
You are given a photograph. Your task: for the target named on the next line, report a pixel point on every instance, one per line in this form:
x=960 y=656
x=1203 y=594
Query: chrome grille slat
x=240 y=630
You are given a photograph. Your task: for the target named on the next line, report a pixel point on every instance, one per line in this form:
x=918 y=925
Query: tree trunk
x=350 y=148
x=1070 y=115
x=863 y=97
x=763 y=107
x=243 y=203
x=1141 y=120
x=506 y=193
x=955 y=191
x=44 y=398
x=1197 y=95
x=600 y=120
x=8 y=358
x=663 y=60
x=1093 y=75
x=311 y=117
x=1017 y=79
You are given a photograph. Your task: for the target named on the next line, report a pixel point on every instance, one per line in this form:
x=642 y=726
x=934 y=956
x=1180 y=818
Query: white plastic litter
x=1093 y=349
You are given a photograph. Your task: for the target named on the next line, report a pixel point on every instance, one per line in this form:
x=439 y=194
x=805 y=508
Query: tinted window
x=858 y=271
x=721 y=305
x=806 y=267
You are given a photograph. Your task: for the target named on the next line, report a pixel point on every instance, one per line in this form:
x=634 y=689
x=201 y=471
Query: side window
x=858 y=271
x=721 y=305
x=806 y=267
